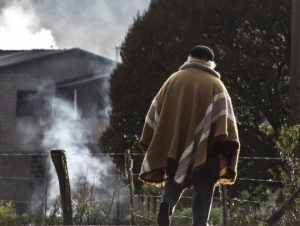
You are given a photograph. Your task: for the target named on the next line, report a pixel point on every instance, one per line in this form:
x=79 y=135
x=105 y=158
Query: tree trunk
x=294 y=86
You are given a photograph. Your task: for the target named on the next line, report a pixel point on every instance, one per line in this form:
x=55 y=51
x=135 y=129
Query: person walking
x=190 y=137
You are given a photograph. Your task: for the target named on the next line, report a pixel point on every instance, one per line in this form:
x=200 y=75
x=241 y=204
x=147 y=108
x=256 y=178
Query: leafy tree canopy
x=251 y=41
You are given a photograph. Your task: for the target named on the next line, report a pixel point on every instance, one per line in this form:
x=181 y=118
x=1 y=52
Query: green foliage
x=215 y=216
x=245 y=213
x=143 y=217
x=288 y=141
x=82 y=209
x=182 y=217
x=8 y=214
x=151 y=190
x=85 y=211
x=287 y=145
x=54 y=217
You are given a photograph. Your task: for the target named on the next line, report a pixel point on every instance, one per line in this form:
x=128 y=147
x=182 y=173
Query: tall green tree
x=294 y=117
x=251 y=41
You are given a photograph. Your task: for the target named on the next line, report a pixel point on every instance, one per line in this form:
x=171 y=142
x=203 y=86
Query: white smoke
x=20 y=29
x=98 y=26
x=60 y=126
x=64 y=131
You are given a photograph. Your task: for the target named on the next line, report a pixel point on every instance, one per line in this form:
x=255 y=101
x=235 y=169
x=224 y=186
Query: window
x=26 y=102
x=38 y=166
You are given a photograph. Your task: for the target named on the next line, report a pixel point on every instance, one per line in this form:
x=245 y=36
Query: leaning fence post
x=59 y=160
x=224 y=204
x=128 y=168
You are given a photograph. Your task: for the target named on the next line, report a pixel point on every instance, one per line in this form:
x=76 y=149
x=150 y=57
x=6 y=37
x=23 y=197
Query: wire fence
x=41 y=177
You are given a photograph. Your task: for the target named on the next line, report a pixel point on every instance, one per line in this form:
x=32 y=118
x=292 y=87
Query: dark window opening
x=29 y=103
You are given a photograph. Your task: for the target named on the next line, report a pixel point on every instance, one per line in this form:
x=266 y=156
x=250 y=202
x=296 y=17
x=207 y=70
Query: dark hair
x=202 y=52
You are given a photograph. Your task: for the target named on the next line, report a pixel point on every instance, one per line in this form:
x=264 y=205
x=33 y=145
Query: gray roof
x=12 y=57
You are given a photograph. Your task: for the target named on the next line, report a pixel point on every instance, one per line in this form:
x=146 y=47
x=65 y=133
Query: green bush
x=287 y=145
x=144 y=217
x=86 y=211
x=54 y=216
x=215 y=216
x=8 y=214
x=182 y=217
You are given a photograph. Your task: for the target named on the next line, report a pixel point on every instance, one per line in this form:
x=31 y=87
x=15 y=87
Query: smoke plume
x=88 y=174
x=60 y=125
x=20 y=29
x=93 y=25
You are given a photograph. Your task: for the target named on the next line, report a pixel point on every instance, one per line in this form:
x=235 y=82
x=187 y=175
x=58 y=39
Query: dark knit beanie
x=202 y=52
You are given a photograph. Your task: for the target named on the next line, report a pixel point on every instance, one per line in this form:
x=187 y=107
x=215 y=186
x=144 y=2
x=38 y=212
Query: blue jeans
x=204 y=184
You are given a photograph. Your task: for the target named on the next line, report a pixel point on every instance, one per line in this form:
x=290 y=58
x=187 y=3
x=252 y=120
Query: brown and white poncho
x=189 y=115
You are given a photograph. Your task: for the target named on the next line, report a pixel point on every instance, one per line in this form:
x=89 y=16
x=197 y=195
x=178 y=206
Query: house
x=23 y=75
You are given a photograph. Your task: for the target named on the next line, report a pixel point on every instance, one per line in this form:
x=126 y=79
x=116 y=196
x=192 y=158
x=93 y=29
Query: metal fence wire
x=35 y=184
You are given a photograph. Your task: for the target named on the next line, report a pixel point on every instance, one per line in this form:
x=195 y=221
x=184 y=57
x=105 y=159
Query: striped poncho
x=190 y=114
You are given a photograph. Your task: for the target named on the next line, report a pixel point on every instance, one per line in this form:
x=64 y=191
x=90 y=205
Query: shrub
x=8 y=214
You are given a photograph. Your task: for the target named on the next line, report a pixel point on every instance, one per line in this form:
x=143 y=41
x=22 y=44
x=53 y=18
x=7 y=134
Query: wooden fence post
x=128 y=168
x=224 y=204
x=118 y=207
x=148 y=208
x=154 y=209
x=59 y=160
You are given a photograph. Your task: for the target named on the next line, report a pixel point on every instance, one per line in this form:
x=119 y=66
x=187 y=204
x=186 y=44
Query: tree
x=251 y=41
x=288 y=211
x=295 y=66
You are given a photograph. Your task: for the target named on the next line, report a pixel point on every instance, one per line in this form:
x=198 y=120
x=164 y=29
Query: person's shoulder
x=177 y=75
x=219 y=85
x=167 y=83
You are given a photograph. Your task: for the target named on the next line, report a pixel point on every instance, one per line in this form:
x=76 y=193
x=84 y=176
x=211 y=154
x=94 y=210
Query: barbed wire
x=22 y=178
x=257 y=202
x=231 y=200
x=142 y=154
x=51 y=183
x=268 y=158
x=24 y=154
x=245 y=179
x=158 y=197
x=173 y=216
x=123 y=177
x=260 y=180
x=16 y=201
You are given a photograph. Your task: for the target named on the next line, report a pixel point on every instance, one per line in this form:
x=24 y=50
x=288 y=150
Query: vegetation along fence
x=47 y=194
